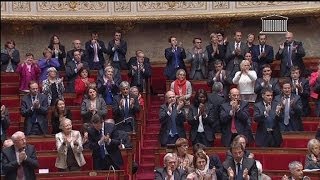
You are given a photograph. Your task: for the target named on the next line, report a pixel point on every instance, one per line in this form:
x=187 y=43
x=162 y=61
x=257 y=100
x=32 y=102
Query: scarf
x=180 y=85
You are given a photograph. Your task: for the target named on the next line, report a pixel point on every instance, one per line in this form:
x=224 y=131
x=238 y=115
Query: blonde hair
x=243 y=62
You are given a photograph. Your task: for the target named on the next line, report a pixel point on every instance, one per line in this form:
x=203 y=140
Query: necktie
x=176 y=58
x=116 y=56
x=289 y=62
x=20 y=173
x=138 y=74
x=240 y=172
x=286 y=111
x=126 y=107
x=297 y=91
x=173 y=119
x=95 y=49
x=102 y=151
x=233 y=124
x=238 y=45
x=34 y=115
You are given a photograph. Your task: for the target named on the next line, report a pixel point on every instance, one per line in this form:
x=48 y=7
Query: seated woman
x=94 y=104
x=200 y=172
x=69 y=147
x=135 y=91
x=108 y=85
x=46 y=62
x=201 y=120
x=81 y=84
x=53 y=86
x=28 y=71
x=58 y=51
x=185 y=160
x=58 y=114
x=245 y=79
x=313 y=157
x=182 y=88
x=10 y=57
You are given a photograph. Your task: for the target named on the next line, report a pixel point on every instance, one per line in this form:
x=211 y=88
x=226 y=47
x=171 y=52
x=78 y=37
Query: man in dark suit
x=219 y=75
x=262 y=53
x=296 y=171
x=105 y=148
x=19 y=160
x=234 y=118
x=290 y=109
x=117 y=50
x=216 y=99
x=290 y=54
x=171 y=117
x=124 y=108
x=5 y=122
x=239 y=167
x=77 y=47
x=72 y=69
x=170 y=170
x=300 y=86
x=95 y=49
x=139 y=70
x=174 y=55
x=266 y=81
x=34 y=107
x=268 y=132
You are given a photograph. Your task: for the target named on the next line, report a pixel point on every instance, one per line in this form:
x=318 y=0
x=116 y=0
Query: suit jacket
x=133 y=74
x=40 y=113
x=61 y=161
x=112 y=148
x=274 y=84
x=248 y=163
x=161 y=174
x=231 y=56
x=90 y=50
x=4 y=125
x=208 y=122
x=213 y=57
x=264 y=122
x=55 y=122
x=70 y=56
x=10 y=163
x=296 y=58
x=170 y=69
x=122 y=51
x=23 y=71
x=166 y=124
x=72 y=74
x=116 y=76
x=100 y=106
x=61 y=56
x=304 y=95
x=216 y=101
x=295 y=112
x=105 y=89
x=241 y=122
x=214 y=161
x=5 y=59
x=262 y=60
x=198 y=60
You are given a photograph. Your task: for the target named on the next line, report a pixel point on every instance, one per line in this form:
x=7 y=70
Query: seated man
x=296 y=171
x=170 y=170
x=103 y=144
x=239 y=166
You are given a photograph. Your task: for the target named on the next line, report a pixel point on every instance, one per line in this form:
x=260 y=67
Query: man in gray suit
x=239 y=167
x=170 y=170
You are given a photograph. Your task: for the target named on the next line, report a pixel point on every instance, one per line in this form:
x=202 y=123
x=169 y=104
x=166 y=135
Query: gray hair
x=51 y=69
x=65 y=120
x=217 y=87
x=124 y=84
x=294 y=165
x=16 y=135
x=169 y=155
x=312 y=143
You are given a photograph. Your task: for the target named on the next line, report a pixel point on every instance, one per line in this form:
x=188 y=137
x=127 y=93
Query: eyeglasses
x=266 y=70
x=198 y=42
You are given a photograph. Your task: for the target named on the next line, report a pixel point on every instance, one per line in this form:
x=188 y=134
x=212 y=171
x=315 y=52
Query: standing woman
x=92 y=105
x=53 y=86
x=81 y=84
x=108 y=85
x=201 y=120
x=58 y=51
x=69 y=147
x=58 y=114
x=245 y=79
x=46 y=62
x=10 y=57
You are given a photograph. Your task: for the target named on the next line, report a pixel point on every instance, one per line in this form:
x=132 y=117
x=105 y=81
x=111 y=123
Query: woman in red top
x=81 y=84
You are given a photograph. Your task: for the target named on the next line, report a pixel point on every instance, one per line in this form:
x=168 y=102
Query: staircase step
x=151 y=143
x=147 y=168
x=148 y=150
x=145 y=176
x=146 y=158
x=153 y=128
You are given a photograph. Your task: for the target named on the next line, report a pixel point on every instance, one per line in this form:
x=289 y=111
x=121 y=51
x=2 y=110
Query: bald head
x=77 y=44
x=170 y=97
x=234 y=94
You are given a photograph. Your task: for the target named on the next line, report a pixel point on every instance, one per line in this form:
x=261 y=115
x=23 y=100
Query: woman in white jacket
x=245 y=79
x=69 y=147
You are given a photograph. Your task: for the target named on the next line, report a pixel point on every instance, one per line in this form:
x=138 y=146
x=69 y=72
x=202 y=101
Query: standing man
x=239 y=166
x=34 y=107
x=172 y=118
x=117 y=50
x=19 y=160
x=262 y=53
x=268 y=132
x=95 y=49
x=76 y=47
x=234 y=118
x=290 y=54
x=174 y=55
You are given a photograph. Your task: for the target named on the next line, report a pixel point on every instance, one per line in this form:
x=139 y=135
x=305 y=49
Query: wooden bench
x=277 y=174
x=267 y=156
x=84 y=175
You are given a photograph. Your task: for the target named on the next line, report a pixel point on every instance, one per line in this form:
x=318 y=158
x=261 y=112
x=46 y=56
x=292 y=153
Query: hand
x=230 y=173
x=79 y=66
x=131 y=102
x=294 y=48
x=245 y=174
x=201 y=108
x=22 y=156
x=93 y=41
x=263 y=54
x=266 y=79
x=281 y=46
x=122 y=101
x=285 y=177
x=170 y=106
x=237 y=51
x=314 y=158
x=169 y=172
x=134 y=67
x=36 y=104
x=3 y=109
x=278 y=108
x=107 y=138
